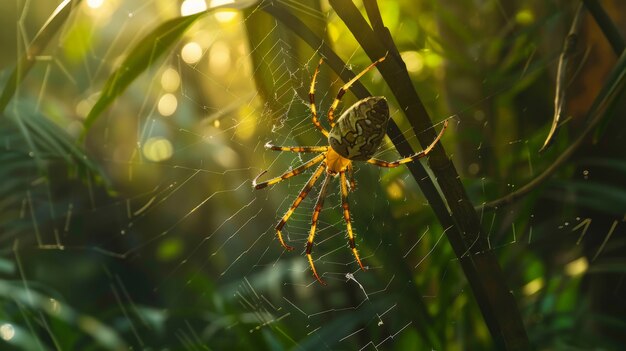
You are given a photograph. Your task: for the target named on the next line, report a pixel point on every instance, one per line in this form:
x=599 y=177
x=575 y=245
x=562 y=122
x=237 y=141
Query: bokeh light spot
x=191 y=52
x=577 y=267
x=167 y=105
x=223 y=15
x=219 y=58
x=414 y=61
x=7 y=332
x=94 y=4
x=158 y=149
x=246 y=124
x=524 y=17
x=170 y=249
x=432 y=59
x=473 y=168
x=190 y=7
x=170 y=80
x=394 y=191
x=533 y=287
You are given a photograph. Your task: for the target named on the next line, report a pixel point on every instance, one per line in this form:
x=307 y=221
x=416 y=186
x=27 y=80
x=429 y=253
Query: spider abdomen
x=359 y=131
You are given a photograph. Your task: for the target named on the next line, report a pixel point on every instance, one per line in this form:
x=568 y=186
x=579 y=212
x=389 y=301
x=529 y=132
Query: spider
x=355 y=136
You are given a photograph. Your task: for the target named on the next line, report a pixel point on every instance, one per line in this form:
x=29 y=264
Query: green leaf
x=105 y=336
x=144 y=54
x=39 y=43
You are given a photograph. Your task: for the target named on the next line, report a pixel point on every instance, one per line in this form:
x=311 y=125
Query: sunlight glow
x=577 y=267
x=533 y=287
x=432 y=59
x=414 y=61
x=524 y=17
x=170 y=249
x=7 y=332
x=219 y=58
x=223 y=15
x=167 y=105
x=246 y=125
x=158 y=149
x=170 y=80
x=84 y=106
x=190 y=7
x=94 y=4
x=191 y=52
x=473 y=168
x=54 y=306
x=394 y=191
x=225 y=156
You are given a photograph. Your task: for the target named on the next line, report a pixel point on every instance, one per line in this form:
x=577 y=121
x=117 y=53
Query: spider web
x=186 y=231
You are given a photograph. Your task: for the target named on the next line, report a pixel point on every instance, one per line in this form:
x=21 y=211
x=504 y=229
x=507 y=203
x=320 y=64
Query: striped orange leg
x=303 y=194
x=352 y=182
x=286 y=175
x=316 y=213
x=416 y=156
x=346 y=216
x=270 y=146
x=345 y=87
x=316 y=121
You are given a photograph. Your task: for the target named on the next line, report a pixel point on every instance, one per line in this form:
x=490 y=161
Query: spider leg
x=346 y=216
x=345 y=87
x=301 y=196
x=416 y=156
x=316 y=213
x=286 y=175
x=316 y=121
x=271 y=146
x=352 y=182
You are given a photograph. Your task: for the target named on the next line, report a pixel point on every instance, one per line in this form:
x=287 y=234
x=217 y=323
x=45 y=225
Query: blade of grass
x=599 y=110
x=22 y=294
x=144 y=54
x=482 y=270
x=36 y=47
x=569 y=48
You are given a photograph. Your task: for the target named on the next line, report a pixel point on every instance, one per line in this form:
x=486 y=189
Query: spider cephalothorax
x=355 y=136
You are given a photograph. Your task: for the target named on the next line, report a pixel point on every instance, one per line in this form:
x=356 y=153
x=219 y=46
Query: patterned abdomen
x=360 y=130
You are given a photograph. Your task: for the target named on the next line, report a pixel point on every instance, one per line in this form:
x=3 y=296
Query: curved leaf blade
x=144 y=54
x=149 y=49
x=39 y=43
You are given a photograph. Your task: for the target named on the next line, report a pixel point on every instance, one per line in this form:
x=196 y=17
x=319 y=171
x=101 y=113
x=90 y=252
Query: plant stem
x=606 y=25
x=603 y=103
x=480 y=265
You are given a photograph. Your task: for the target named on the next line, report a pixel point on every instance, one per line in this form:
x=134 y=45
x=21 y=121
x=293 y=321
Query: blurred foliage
x=147 y=235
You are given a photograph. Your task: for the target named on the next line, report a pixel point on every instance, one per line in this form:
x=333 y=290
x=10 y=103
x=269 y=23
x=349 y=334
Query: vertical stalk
x=480 y=265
